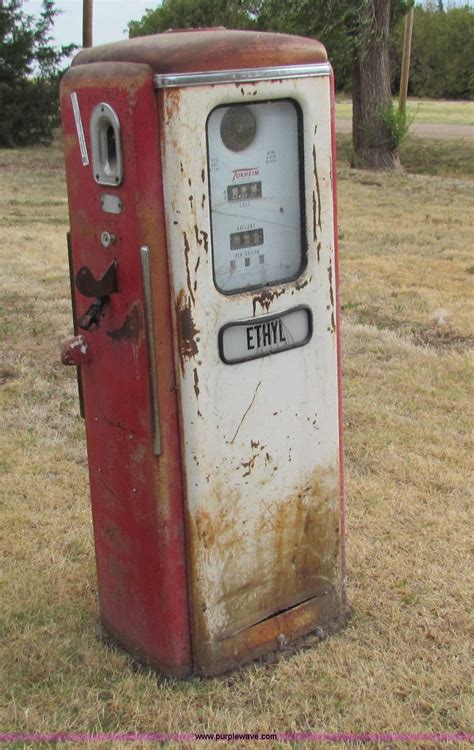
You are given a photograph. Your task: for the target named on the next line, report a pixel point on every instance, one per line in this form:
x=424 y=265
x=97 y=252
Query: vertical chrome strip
x=145 y=259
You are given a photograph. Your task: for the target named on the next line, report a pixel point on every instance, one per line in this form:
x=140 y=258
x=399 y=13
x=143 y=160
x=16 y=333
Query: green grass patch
x=446 y=158
x=436 y=111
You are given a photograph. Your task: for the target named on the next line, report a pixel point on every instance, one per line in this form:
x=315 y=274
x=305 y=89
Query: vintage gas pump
x=203 y=249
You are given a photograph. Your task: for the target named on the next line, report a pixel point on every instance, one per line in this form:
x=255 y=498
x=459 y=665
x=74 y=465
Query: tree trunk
x=372 y=141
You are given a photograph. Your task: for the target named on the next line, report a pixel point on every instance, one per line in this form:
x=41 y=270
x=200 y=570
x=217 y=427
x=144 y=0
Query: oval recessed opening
x=106 y=147
x=111 y=149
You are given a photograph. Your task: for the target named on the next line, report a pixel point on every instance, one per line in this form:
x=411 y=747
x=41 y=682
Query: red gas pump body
x=138 y=493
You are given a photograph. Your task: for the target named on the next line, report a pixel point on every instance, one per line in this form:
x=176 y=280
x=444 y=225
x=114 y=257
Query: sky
x=109 y=22
x=110 y=18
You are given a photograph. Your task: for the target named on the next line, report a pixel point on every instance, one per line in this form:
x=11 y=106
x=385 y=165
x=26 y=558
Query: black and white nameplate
x=266 y=335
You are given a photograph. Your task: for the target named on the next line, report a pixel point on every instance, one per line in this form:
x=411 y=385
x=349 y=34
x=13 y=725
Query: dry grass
x=403 y=663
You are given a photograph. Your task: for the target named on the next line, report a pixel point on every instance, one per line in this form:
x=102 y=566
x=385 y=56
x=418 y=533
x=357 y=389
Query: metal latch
x=101 y=289
x=91 y=317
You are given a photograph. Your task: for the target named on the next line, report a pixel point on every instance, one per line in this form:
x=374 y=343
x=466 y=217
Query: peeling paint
x=132 y=329
x=331 y=290
x=302 y=284
x=187 y=331
x=205 y=239
x=248 y=465
x=188 y=274
x=265 y=299
x=196 y=382
x=316 y=177
x=315 y=208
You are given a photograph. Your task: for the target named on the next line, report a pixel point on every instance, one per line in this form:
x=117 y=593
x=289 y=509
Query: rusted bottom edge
x=301 y=627
x=113 y=639
x=284 y=632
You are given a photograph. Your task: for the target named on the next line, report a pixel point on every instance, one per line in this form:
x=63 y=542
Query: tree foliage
x=442 y=60
x=29 y=74
x=356 y=35
x=186 y=14
x=362 y=38
x=442 y=55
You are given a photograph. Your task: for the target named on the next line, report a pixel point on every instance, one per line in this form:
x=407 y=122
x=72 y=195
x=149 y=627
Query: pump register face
x=255 y=167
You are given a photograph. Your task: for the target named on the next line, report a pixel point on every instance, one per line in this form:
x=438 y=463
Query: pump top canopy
x=206 y=50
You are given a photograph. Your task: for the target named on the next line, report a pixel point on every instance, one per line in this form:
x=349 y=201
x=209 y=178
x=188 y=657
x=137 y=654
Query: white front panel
x=260 y=438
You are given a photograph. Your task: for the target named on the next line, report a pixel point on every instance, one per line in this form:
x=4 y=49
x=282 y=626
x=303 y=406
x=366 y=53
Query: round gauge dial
x=238 y=128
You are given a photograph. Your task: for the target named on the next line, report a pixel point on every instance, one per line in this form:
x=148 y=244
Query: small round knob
x=107 y=239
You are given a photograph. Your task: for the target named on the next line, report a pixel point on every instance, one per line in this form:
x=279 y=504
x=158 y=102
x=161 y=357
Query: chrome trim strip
x=155 y=421
x=244 y=75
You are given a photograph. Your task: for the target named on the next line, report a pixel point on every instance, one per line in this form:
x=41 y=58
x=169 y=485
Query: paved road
x=423 y=129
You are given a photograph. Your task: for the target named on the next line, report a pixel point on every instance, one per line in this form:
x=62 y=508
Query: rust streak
x=315 y=231
x=187 y=331
x=303 y=284
x=196 y=235
x=246 y=411
x=317 y=187
x=331 y=291
x=188 y=274
x=249 y=465
x=196 y=382
x=265 y=299
x=172 y=104
x=205 y=238
x=303 y=564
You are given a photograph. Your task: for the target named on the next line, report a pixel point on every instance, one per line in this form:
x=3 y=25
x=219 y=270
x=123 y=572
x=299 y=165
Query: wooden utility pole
x=402 y=102
x=87 y=23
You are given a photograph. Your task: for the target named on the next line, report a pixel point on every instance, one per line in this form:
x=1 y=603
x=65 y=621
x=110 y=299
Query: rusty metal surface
x=276 y=633
x=194 y=50
x=136 y=497
x=262 y=444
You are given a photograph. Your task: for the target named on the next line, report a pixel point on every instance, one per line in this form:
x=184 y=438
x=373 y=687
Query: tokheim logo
x=242 y=174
